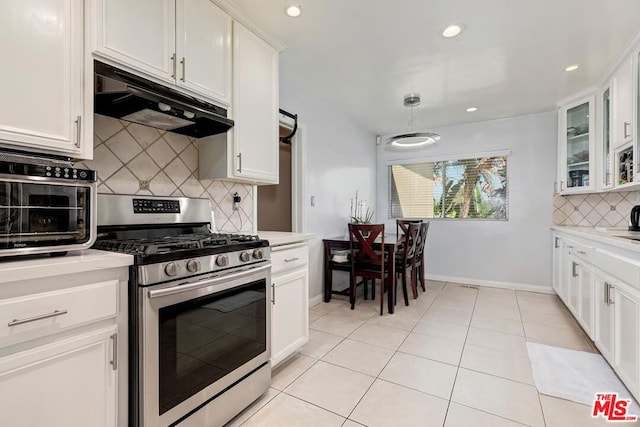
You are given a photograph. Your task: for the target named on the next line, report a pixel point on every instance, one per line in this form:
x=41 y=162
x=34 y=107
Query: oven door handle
x=203 y=284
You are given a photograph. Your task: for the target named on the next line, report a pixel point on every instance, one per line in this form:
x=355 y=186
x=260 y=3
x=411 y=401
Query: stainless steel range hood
x=132 y=98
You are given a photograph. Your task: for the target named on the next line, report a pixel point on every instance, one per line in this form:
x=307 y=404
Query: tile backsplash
x=595 y=210
x=136 y=159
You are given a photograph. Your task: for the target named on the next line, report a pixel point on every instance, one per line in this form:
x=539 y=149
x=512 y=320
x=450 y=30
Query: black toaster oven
x=46 y=208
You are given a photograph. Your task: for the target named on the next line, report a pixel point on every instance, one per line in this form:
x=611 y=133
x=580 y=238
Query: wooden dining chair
x=405 y=261
x=402 y=226
x=367 y=262
x=419 y=262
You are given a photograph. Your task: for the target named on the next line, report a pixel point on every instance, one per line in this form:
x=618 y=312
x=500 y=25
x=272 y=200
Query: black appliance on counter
x=46 y=205
x=634 y=218
x=199 y=310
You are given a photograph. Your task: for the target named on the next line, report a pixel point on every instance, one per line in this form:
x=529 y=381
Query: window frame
x=444 y=158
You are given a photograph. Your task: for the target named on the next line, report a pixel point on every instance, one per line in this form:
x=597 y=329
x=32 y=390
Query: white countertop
x=610 y=236
x=279 y=238
x=37 y=267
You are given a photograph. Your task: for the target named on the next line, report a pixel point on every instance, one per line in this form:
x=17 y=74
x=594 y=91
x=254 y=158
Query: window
x=474 y=188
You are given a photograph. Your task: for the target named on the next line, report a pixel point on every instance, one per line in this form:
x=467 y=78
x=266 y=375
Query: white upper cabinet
x=255 y=107
x=249 y=151
x=203 y=48
x=140 y=34
x=42 y=78
x=576 y=149
x=186 y=43
x=622 y=103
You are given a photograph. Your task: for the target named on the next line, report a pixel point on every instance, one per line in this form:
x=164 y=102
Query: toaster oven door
x=38 y=214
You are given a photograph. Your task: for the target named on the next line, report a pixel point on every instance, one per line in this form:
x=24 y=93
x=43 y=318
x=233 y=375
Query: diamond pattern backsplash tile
x=595 y=210
x=127 y=153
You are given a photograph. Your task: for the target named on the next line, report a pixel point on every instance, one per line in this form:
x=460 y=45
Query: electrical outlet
x=313 y=200
x=144 y=185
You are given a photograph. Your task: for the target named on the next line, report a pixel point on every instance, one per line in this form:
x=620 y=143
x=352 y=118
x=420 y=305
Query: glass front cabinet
x=577 y=145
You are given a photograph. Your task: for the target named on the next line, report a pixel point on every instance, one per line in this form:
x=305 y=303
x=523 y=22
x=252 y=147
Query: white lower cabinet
x=290 y=302
x=603 y=293
x=560 y=278
x=63 y=343
x=603 y=330
x=68 y=383
x=626 y=315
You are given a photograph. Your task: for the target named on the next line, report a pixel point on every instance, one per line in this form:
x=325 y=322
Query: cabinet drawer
x=623 y=269
x=29 y=317
x=580 y=251
x=286 y=258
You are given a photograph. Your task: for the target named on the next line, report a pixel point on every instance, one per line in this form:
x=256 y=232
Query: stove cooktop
x=154 y=249
x=174 y=244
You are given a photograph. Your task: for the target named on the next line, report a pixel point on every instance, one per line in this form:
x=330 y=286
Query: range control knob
x=172 y=269
x=222 y=261
x=193 y=265
x=245 y=256
x=258 y=254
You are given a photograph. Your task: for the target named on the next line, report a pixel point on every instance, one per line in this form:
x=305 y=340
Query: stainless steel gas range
x=198 y=311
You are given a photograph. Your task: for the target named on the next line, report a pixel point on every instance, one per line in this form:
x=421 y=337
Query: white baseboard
x=492 y=284
x=315 y=300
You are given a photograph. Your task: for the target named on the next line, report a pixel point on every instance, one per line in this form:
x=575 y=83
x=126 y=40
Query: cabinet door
x=255 y=107
x=69 y=383
x=203 y=46
x=626 y=303
x=606 y=163
x=603 y=326
x=622 y=102
x=573 y=288
x=576 y=146
x=586 y=298
x=139 y=34
x=559 y=268
x=41 y=77
x=290 y=314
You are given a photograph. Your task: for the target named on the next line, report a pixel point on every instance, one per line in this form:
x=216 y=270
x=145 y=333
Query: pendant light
x=412 y=138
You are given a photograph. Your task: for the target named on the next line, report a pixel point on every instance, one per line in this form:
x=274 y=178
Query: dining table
x=341 y=243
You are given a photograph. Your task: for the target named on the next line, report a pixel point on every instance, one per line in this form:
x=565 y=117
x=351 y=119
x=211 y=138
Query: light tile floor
x=455 y=357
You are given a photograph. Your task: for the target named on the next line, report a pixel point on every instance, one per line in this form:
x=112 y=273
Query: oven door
x=200 y=337
x=38 y=215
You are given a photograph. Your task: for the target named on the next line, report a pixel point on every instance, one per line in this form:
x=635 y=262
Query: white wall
x=340 y=159
x=517 y=251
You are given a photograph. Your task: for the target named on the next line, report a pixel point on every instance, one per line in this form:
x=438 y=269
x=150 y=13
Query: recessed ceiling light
x=472 y=109
x=293 y=10
x=572 y=67
x=452 y=31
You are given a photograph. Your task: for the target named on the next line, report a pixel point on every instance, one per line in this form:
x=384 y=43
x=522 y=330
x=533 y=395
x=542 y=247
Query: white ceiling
x=363 y=56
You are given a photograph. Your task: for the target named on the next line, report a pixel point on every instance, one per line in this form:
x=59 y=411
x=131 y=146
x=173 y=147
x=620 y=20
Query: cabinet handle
x=582 y=252
x=16 y=322
x=239 y=156
x=573 y=269
x=555 y=245
x=114 y=355
x=626 y=126
x=78 y=130
x=273 y=293
x=569 y=246
x=173 y=67
x=609 y=299
x=605 y=298
x=292 y=259
x=561 y=185
x=182 y=61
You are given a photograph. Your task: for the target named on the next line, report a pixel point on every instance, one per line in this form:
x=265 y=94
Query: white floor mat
x=575 y=375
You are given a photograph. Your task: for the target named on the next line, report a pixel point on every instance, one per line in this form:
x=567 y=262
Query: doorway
x=275 y=201
x=281 y=207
